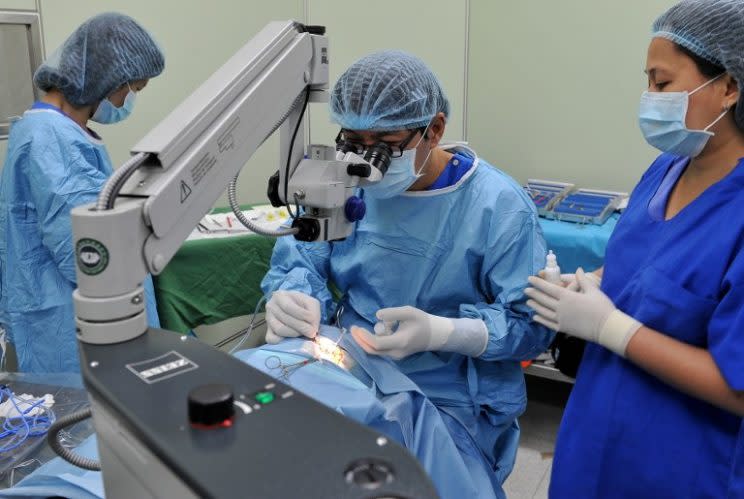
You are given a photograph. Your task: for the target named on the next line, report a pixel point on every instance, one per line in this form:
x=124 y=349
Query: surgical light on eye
x=327 y=349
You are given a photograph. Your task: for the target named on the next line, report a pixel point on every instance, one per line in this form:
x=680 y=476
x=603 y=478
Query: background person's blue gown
x=52 y=165
x=624 y=432
x=462 y=251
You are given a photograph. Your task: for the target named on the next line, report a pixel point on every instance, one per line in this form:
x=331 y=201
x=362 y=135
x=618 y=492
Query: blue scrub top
x=52 y=165
x=624 y=432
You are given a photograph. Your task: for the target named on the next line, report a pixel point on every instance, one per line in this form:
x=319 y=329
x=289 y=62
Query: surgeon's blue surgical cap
x=713 y=30
x=104 y=53
x=386 y=91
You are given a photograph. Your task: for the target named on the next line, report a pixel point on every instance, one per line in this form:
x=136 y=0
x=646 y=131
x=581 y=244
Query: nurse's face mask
x=662 y=118
x=107 y=113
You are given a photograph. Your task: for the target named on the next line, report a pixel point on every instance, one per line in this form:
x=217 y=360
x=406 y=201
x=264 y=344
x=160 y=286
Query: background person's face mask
x=662 y=118
x=106 y=113
x=401 y=174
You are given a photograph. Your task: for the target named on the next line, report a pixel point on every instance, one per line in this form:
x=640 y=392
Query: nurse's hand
x=568 y=281
x=290 y=314
x=403 y=331
x=586 y=313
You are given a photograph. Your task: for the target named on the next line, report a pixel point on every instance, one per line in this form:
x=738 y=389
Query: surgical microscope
x=178 y=418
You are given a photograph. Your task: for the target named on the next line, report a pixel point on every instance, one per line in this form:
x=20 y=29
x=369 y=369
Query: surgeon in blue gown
x=54 y=163
x=434 y=275
x=659 y=398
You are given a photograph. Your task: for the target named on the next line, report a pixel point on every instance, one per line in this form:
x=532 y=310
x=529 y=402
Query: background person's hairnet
x=712 y=29
x=104 y=53
x=388 y=90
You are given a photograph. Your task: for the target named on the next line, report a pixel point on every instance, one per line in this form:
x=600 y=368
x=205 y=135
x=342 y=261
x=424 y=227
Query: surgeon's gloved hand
x=418 y=331
x=290 y=314
x=586 y=313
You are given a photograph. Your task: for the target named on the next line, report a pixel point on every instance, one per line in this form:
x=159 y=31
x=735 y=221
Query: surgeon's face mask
x=107 y=113
x=401 y=174
x=662 y=117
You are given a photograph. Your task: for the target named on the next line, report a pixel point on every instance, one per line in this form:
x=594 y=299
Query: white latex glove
x=290 y=314
x=418 y=331
x=587 y=314
x=569 y=280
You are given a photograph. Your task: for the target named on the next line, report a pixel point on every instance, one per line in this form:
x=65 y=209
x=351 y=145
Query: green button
x=265 y=397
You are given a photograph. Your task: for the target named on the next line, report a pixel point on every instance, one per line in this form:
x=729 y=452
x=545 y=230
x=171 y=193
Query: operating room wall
x=434 y=30
x=554 y=88
x=197 y=38
x=15 y=5
x=18 y=4
x=541 y=89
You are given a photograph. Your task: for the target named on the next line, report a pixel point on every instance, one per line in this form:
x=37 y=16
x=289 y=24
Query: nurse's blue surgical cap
x=104 y=53
x=713 y=30
x=386 y=91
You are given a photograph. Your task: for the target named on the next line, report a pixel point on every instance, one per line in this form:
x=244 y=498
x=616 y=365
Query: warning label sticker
x=200 y=170
x=185 y=191
x=226 y=141
x=162 y=367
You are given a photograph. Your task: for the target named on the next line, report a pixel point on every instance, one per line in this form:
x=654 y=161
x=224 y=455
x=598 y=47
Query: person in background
x=659 y=397
x=54 y=163
x=436 y=268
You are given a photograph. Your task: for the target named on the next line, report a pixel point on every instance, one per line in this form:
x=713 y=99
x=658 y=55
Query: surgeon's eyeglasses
x=352 y=145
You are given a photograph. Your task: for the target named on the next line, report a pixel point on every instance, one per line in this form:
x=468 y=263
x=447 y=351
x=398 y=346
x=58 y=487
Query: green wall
x=539 y=88
x=554 y=88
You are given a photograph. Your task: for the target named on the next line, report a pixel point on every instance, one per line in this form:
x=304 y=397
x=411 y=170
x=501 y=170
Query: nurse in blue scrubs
x=56 y=162
x=659 y=397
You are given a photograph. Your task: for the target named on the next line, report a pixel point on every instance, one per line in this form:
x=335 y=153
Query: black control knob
x=211 y=406
x=369 y=475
